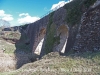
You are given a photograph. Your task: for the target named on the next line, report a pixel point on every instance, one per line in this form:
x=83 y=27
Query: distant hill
x=4 y=23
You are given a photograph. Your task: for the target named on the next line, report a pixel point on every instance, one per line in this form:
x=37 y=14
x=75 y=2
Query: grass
x=7 y=41
x=53 y=63
x=12 y=41
x=17 y=49
x=10 y=35
x=8 y=47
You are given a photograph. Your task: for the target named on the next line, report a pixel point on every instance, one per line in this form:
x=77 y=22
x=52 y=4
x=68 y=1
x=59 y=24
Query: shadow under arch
x=62 y=32
x=59 y=41
x=23 y=52
x=39 y=43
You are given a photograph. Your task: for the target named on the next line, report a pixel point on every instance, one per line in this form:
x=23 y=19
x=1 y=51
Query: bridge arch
x=62 y=31
x=38 y=45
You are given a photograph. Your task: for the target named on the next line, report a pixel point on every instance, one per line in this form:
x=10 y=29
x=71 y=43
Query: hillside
x=64 y=42
x=54 y=64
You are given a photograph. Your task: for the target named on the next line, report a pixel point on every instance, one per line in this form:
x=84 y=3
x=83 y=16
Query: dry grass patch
x=54 y=64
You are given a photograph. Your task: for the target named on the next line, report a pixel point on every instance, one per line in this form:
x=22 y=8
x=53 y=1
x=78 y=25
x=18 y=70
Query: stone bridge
x=53 y=31
x=37 y=32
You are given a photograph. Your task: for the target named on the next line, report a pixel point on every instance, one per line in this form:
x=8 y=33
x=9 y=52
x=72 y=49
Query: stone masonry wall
x=88 y=38
x=87 y=30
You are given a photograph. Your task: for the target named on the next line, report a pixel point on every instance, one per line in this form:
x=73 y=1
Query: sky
x=19 y=12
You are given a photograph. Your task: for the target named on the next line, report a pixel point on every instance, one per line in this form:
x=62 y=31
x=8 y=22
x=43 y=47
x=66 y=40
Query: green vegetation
x=54 y=64
x=11 y=41
x=7 y=42
x=7 y=47
x=24 y=26
x=13 y=35
x=50 y=20
x=88 y=3
x=50 y=35
x=57 y=39
x=50 y=39
x=21 y=46
x=74 y=10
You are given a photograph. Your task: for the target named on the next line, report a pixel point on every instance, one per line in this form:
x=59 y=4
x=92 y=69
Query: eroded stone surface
x=88 y=38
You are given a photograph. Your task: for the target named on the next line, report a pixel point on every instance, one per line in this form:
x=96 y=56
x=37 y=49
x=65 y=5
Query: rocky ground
x=12 y=55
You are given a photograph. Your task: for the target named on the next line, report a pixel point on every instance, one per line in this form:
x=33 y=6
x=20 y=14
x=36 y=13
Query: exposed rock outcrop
x=88 y=37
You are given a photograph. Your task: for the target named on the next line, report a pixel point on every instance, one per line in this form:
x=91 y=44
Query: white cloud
x=8 y=18
x=27 y=18
x=2 y=13
x=59 y=4
x=23 y=14
x=4 y=16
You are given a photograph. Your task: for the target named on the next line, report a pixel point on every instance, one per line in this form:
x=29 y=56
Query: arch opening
x=39 y=42
x=62 y=31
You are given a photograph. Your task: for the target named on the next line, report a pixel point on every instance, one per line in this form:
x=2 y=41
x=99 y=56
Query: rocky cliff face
x=88 y=36
x=72 y=27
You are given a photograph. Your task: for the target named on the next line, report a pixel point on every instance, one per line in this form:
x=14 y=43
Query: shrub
x=74 y=10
